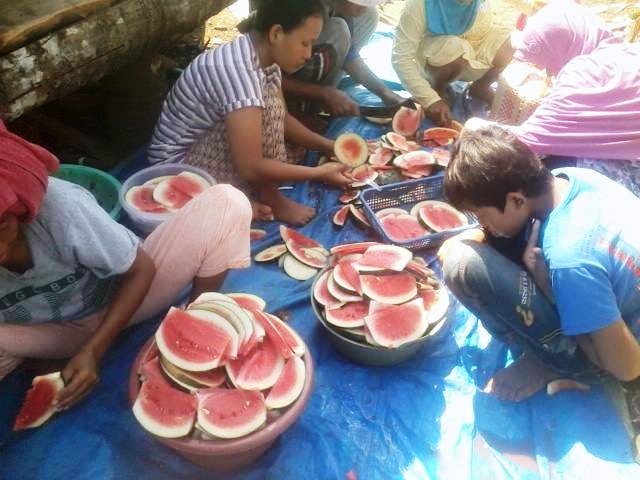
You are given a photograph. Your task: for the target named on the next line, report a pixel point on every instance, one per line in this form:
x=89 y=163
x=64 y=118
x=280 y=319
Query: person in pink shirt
x=592 y=112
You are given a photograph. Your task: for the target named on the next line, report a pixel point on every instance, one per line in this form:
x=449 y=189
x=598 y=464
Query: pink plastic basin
x=229 y=455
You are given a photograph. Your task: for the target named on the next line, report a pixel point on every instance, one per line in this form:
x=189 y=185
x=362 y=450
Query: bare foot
x=285 y=209
x=482 y=92
x=261 y=212
x=520 y=380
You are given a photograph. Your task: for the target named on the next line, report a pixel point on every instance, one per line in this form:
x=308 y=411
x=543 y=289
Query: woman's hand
x=80 y=375
x=333 y=173
x=339 y=103
x=440 y=113
x=534 y=261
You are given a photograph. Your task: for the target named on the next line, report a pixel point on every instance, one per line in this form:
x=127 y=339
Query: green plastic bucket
x=104 y=187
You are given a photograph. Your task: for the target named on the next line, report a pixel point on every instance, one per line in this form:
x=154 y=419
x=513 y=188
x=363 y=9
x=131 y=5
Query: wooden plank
x=84 y=52
x=22 y=21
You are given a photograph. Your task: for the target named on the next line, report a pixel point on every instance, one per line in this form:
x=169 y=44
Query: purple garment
x=593 y=109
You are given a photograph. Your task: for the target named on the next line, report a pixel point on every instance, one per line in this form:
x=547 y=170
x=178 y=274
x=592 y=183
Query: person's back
x=591 y=241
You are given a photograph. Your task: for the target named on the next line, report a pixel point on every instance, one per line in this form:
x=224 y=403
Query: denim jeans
x=503 y=295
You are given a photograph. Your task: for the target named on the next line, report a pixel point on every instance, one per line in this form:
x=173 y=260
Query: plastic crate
x=104 y=187
x=405 y=195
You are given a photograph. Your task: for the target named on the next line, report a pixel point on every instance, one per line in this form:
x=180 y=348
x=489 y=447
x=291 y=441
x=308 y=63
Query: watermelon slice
x=439 y=137
x=398 y=141
x=225 y=413
x=189 y=183
x=439 y=216
x=382 y=156
x=256 y=234
x=289 y=386
x=289 y=335
x=248 y=301
x=195 y=341
x=349 y=248
x=321 y=292
x=157 y=180
x=308 y=256
x=390 y=211
x=170 y=197
x=296 y=269
x=38 y=406
x=362 y=175
x=406 y=121
x=351 y=149
x=193 y=381
x=141 y=197
x=339 y=294
x=395 y=326
x=402 y=227
x=259 y=369
x=359 y=215
x=213 y=297
x=391 y=289
x=273 y=333
x=290 y=234
x=341 y=216
x=388 y=257
x=414 y=160
x=348 y=196
x=347 y=277
x=350 y=315
x=162 y=409
x=436 y=304
x=232 y=313
x=442 y=156
x=271 y=253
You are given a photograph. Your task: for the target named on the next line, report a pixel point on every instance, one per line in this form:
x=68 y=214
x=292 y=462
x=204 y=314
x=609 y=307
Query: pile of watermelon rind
x=380 y=295
x=299 y=256
x=220 y=369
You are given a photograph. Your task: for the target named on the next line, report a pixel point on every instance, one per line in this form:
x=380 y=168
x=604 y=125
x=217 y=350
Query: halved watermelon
x=248 y=301
x=195 y=341
x=439 y=216
x=271 y=253
x=290 y=234
x=400 y=324
x=390 y=289
x=308 y=256
x=141 y=197
x=341 y=216
x=38 y=406
x=351 y=149
x=259 y=369
x=163 y=410
x=389 y=257
x=225 y=413
x=406 y=121
x=350 y=315
x=402 y=227
x=289 y=386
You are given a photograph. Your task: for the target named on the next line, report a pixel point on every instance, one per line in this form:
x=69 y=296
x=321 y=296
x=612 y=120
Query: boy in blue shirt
x=572 y=304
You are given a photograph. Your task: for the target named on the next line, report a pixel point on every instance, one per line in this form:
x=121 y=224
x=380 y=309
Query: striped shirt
x=214 y=84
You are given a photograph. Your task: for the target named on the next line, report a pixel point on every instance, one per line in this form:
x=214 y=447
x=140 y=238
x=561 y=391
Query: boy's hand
x=80 y=376
x=475 y=234
x=533 y=260
x=339 y=103
x=333 y=173
x=440 y=113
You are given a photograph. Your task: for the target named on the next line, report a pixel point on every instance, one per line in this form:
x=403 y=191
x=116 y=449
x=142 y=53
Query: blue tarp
x=423 y=419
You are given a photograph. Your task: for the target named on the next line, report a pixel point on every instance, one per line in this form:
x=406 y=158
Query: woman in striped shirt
x=226 y=112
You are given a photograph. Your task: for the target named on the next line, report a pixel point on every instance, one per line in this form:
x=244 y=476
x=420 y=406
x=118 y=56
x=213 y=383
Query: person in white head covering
x=348 y=28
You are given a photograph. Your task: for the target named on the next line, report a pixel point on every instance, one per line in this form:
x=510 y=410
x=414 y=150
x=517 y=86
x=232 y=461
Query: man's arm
x=337 y=102
x=363 y=75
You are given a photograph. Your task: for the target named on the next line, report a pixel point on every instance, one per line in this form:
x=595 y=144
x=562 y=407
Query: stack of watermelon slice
x=299 y=256
x=220 y=369
x=380 y=295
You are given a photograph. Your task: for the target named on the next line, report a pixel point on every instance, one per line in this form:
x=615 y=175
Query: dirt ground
x=114 y=118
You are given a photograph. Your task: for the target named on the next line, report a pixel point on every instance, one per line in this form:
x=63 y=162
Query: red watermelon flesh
x=348 y=316
x=306 y=255
x=191 y=343
x=321 y=292
x=389 y=257
x=248 y=301
x=341 y=215
x=273 y=334
x=396 y=326
x=259 y=369
x=391 y=289
x=439 y=216
x=414 y=160
x=163 y=410
x=402 y=227
x=341 y=295
x=349 y=248
x=172 y=198
x=381 y=157
x=230 y=413
x=289 y=335
x=141 y=197
x=289 y=385
x=38 y=406
x=406 y=121
x=300 y=239
x=419 y=269
x=397 y=141
x=442 y=156
x=347 y=277
x=189 y=183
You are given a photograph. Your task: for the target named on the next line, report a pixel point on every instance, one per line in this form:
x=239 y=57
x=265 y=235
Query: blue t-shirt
x=591 y=243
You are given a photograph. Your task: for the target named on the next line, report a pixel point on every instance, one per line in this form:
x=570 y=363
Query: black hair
x=487 y=164
x=290 y=14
